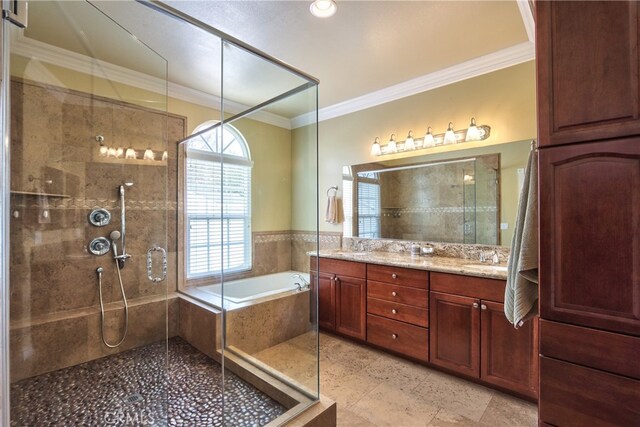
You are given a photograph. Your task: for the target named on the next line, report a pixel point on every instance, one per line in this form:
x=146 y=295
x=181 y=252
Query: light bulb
x=473 y=134
x=148 y=154
x=392 y=147
x=104 y=151
x=375 y=148
x=429 y=141
x=120 y=152
x=323 y=8
x=409 y=144
x=449 y=136
x=130 y=154
x=165 y=155
x=111 y=152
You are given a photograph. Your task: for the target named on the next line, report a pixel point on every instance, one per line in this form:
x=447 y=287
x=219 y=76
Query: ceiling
x=367 y=48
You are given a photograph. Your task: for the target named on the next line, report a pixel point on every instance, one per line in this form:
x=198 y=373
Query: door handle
x=150 y=264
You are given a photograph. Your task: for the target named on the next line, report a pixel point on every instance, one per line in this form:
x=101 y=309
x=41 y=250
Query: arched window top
x=225 y=140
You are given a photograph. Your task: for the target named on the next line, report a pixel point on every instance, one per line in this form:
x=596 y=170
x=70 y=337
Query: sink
x=487 y=267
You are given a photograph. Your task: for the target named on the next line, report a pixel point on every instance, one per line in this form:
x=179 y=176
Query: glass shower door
x=88 y=221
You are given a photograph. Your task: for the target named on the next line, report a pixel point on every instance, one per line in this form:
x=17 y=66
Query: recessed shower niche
x=100 y=326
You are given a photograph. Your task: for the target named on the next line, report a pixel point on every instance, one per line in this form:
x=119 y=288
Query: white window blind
x=218 y=213
x=368 y=209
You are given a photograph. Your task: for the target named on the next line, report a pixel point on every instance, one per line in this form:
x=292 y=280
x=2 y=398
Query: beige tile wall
x=53 y=282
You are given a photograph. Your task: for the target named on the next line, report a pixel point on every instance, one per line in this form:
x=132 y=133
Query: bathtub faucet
x=307 y=285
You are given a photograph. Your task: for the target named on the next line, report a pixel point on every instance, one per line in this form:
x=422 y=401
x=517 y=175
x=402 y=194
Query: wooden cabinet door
x=587 y=69
x=455 y=332
x=351 y=308
x=590 y=235
x=326 y=301
x=509 y=356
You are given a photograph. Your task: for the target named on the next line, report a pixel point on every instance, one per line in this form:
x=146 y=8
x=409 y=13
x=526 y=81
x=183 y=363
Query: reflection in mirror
x=469 y=196
x=453 y=201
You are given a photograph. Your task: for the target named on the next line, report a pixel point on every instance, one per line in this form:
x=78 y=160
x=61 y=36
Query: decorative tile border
x=438 y=211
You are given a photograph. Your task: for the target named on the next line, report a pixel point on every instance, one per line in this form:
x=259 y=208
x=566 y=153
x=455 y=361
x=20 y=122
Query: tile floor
x=373 y=388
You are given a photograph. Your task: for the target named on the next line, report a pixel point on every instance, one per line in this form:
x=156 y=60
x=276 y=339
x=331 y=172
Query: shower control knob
x=394 y=311
x=99 y=246
x=99 y=217
x=394 y=276
x=394 y=293
x=394 y=336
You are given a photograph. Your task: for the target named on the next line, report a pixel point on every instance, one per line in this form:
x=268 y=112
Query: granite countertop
x=462 y=266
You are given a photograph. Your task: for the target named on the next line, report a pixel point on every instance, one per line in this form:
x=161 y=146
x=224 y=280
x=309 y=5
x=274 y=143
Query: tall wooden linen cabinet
x=589 y=184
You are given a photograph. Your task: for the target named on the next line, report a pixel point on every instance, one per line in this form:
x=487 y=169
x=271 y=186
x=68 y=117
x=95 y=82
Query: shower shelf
x=35 y=194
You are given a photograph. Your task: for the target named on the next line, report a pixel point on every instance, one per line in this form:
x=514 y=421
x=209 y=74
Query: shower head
x=124 y=184
x=128 y=184
x=115 y=235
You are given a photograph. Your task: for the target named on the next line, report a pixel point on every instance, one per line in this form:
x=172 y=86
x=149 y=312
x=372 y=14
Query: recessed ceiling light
x=323 y=8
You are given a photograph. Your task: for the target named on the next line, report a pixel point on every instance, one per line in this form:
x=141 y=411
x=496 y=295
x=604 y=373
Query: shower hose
x=100 y=270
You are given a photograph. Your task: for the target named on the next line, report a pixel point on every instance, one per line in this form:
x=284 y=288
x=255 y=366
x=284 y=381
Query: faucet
x=307 y=285
x=493 y=256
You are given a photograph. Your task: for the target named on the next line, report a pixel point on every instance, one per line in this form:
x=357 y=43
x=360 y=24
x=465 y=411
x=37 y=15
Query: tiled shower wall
x=54 y=289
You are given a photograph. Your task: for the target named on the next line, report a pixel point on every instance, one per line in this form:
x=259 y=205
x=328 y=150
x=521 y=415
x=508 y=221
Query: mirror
x=465 y=196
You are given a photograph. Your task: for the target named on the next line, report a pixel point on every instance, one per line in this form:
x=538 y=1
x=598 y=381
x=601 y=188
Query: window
x=217 y=202
x=368 y=205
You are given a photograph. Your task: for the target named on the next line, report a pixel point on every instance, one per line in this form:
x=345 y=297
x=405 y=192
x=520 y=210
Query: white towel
x=521 y=292
x=332 y=215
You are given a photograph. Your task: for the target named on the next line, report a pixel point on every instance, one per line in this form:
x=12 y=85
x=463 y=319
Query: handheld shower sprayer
x=123 y=234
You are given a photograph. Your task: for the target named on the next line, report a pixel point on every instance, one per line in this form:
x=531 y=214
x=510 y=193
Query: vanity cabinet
x=398 y=310
x=341 y=296
x=469 y=333
x=587 y=66
x=589 y=185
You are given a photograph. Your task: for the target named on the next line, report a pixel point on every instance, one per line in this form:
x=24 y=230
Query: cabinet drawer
x=340 y=267
x=399 y=337
x=393 y=310
x=400 y=294
x=470 y=286
x=597 y=349
x=398 y=276
x=572 y=395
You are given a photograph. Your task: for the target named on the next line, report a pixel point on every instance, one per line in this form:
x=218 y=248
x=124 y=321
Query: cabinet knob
x=394 y=276
x=394 y=293
x=475 y=305
x=394 y=311
x=394 y=336
x=484 y=307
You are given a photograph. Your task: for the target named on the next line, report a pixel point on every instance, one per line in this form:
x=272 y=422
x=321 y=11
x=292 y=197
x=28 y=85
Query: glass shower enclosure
x=102 y=323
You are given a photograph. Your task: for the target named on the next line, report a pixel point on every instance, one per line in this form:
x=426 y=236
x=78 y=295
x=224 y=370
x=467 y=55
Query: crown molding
x=527 y=19
x=495 y=61
x=30 y=48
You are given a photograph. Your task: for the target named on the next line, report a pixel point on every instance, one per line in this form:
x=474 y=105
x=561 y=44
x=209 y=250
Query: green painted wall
x=504 y=99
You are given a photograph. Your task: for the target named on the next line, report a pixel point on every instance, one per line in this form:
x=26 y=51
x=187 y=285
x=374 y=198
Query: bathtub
x=243 y=290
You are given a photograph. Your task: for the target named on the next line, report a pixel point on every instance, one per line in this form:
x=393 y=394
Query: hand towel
x=331 y=215
x=521 y=292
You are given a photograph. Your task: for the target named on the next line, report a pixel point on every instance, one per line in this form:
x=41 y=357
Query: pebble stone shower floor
x=130 y=389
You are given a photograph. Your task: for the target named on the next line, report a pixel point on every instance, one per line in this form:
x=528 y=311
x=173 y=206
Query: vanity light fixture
x=375 y=147
x=409 y=143
x=475 y=132
x=149 y=155
x=449 y=135
x=323 y=8
x=428 y=141
x=392 y=147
